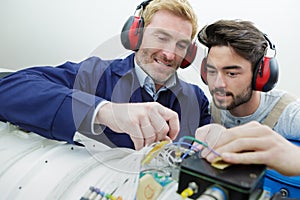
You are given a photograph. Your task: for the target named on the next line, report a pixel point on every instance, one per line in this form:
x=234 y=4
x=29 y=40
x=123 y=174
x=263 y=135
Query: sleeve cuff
x=97 y=129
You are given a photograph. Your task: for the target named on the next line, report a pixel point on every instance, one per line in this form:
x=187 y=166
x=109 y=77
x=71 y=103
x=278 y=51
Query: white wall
x=44 y=32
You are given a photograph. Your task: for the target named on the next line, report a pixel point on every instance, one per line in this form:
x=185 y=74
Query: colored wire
x=188 y=152
x=193 y=139
x=201 y=143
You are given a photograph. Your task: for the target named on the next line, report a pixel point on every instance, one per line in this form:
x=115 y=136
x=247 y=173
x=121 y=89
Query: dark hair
x=245 y=39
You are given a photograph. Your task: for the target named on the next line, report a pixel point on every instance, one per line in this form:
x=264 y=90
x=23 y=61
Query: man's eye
x=162 y=38
x=210 y=71
x=182 y=46
x=232 y=74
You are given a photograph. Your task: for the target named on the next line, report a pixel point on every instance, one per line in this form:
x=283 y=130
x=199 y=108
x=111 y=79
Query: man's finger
x=173 y=121
x=137 y=138
x=148 y=131
x=244 y=158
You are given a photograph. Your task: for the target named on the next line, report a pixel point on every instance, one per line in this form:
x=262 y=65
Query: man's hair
x=245 y=39
x=181 y=8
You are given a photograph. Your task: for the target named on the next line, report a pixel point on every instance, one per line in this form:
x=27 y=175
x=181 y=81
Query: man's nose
x=170 y=51
x=219 y=81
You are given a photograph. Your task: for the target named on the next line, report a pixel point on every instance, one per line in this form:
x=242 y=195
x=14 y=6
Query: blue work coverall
x=55 y=102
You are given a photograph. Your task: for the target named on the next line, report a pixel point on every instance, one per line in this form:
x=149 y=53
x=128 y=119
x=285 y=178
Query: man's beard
x=237 y=100
x=145 y=60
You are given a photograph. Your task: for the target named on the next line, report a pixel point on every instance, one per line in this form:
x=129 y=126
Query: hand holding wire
x=210 y=135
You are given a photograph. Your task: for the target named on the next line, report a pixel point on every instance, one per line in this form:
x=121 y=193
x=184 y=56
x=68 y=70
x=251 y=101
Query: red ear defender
x=265 y=75
x=203 y=71
x=189 y=56
x=132 y=32
x=266 y=72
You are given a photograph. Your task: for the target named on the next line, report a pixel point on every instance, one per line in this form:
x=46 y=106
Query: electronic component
x=238 y=182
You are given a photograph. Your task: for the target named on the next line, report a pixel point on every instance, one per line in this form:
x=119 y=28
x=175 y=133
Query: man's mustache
x=222 y=92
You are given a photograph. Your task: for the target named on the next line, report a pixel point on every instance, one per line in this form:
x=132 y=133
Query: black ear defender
x=132 y=34
x=266 y=71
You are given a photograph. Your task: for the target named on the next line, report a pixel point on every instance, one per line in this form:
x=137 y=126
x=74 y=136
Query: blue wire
x=199 y=143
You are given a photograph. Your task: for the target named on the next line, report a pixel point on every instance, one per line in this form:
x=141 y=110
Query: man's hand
x=253 y=143
x=209 y=134
x=144 y=122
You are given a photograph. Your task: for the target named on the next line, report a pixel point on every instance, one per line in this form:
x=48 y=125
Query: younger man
x=241 y=75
